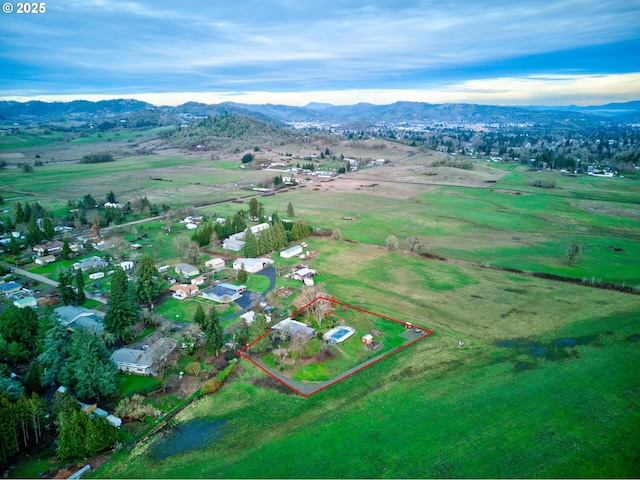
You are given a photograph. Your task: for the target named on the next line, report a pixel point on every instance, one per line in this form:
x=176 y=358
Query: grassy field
x=544 y=386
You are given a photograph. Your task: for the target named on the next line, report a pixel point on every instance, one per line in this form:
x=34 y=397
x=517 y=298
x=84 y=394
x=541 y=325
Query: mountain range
x=360 y=114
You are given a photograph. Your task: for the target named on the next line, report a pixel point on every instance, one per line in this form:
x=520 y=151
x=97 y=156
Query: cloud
x=281 y=45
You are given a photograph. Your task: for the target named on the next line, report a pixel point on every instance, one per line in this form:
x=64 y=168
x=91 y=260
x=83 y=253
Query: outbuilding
x=291 y=251
x=214 y=263
x=252 y=265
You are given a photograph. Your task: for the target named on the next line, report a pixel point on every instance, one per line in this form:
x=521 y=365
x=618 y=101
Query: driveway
x=245 y=302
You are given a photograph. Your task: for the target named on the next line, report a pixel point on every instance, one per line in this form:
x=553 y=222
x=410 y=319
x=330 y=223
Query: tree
x=259 y=327
x=55 y=351
x=148 y=285
x=243 y=276
x=35 y=235
x=90 y=373
x=111 y=197
x=65 y=287
x=238 y=223
x=66 y=252
x=123 y=311
x=32 y=380
x=247 y=157
x=392 y=242
x=254 y=209
x=199 y=316
x=181 y=242
x=80 y=295
x=19 y=325
x=192 y=252
x=250 y=245
x=20 y=218
x=49 y=229
x=290 y=211
x=297 y=344
x=117 y=246
x=418 y=244
x=134 y=408
x=213 y=335
x=573 y=252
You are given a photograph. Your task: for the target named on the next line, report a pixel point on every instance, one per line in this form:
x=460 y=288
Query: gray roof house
x=131 y=360
x=186 y=269
x=90 y=262
x=79 y=317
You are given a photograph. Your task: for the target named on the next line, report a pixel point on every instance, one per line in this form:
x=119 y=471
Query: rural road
x=47 y=281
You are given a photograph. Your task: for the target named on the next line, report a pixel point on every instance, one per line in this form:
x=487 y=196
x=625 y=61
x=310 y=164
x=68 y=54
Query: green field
x=523 y=377
x=498 y=407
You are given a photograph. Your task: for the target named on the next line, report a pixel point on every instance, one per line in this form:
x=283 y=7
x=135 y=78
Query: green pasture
x=479 y=415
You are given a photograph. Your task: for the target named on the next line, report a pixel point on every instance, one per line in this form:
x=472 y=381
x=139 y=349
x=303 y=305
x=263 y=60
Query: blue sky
x=522 y=52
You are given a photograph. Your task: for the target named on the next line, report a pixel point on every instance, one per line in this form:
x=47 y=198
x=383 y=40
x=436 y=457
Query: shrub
x=211 y=386
x=193 y=368
x=247 y=157
x=544 y=183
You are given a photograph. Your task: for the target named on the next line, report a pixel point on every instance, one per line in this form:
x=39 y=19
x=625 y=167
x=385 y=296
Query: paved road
x=46 y=280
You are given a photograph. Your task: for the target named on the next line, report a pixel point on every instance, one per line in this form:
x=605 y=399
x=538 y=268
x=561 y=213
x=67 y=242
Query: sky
x=168 y=52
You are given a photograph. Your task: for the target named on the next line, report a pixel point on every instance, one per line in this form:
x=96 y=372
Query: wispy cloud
x=281 y=45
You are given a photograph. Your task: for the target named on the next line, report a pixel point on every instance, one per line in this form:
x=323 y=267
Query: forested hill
x=230 y=132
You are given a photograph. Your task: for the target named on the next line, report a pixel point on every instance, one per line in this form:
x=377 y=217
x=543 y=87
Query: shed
x=45 y=260
x=291 y=251
x=233 y=245
x=214 y=263
x=127 y=265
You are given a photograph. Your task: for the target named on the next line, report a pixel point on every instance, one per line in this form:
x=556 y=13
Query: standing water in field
x=187 y=437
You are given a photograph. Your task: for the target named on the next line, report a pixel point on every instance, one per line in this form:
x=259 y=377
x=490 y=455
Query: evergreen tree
x=20 y=325
x=65 y=287
x=19 y=213
x=290 y=211
x=49 y=229
x=257 y=328
x=280 y=234
x=243 y=276
x=213 y=334
x=199 y=316
x=123 y=310
x=148 y=285
x=250 y=245
x=32 y=380
x=55 y=351
x=71 y=434
x=90 y=372
x=34 y=234
x=80 y=295
x=238 y=223
x=66 y=252
x=111 y=197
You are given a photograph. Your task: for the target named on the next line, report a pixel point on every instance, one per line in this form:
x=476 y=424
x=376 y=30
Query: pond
x=187 y=437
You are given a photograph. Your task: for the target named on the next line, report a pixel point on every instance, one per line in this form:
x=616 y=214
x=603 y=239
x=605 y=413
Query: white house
x=291 y=251
x=199 y=280
x=45 y=260
x=127 y=265
x=182 y=291
x=252 y=265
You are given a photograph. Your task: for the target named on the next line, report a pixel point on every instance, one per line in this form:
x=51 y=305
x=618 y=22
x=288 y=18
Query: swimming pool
x=338 y=334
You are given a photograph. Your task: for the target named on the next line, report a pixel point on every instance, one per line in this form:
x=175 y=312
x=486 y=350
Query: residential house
x=224 y=292
x=89 y=263
x=45 y=260
x=79 y=317
x=131 y=360
x=197 y=281
x=293 y=327
x=26 y=302
x=53 y=248
x=9 y=287
x=186 y=269
x=182 y=291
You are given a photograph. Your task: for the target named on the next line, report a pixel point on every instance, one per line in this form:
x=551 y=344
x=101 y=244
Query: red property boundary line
x=426 y=333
